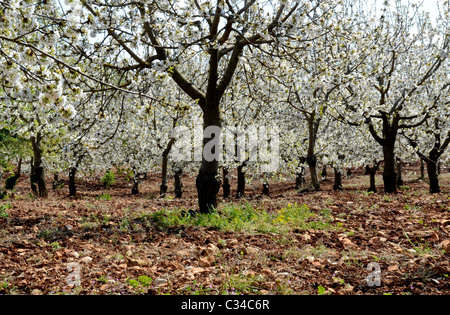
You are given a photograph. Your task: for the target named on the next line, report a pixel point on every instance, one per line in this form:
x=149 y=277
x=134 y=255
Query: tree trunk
x=422 y=169
x=265 y=190
x=312 y=164
x=163 y=186
x=177 y=182
x=12 y=180
x=372 y=171
x=400 y=181
x=165 y=161
x=337 y=180
x=226 y=183
x=432 y=160
x=55 y=182
x=135 y=187
x=389 y=174
x=324 y=173
x=373 y=186
x=300 y=179
x=311 y=159
x=240 y=191
x=433 y=176
x=349 y=173
x=207 y=182
x=390 y=131
x=37 y=177
x=72 y=182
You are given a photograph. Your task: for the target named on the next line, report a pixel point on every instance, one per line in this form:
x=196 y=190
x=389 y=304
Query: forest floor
x=106 y=241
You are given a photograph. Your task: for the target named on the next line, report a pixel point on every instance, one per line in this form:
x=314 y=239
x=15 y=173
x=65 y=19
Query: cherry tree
x=406 y=55
x=166 y=35
x=311 y=81
x=431 y=140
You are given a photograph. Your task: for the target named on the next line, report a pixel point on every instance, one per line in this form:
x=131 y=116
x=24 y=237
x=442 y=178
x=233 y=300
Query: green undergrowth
x=245 y=218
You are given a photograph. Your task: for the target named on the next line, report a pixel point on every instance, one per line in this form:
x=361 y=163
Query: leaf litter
x=87 y=245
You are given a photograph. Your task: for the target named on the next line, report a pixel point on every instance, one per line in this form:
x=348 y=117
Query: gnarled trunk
x=240 y=191
x=207 y=182
x=311 y=159
x=135 y=186
x=312 y=164
x=37 y=177
x=300 y=179
x=337 y=179
x=389 y=174
x=178 y=185
x=72 y=182
x=12 y=180
x=55 y=182
x=433 y=176
x=372 y=171
x=400 y=181
x=164 y=165
x=226 y=187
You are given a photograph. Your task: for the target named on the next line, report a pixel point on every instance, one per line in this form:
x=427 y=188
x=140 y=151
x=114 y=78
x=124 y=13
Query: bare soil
x=98 y=243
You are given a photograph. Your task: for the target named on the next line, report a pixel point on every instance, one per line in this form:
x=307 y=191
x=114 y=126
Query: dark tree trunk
x=373 y=186
x=390 y=131
x=12 y=180
x=337 y=180
x=163 y=188
x=432 y=160
x=208 y=188
x=207 y=182
x=33 y=184
x=135 y=186
x=422 y=169
x=165 y=160
x=37 y=177
x=312 y=164
x=311 y=159
x=324 y=173
x=265 y=190
x=226 y=183
x=55 y=182
x=300 y=179
x=389 y=174
x=372 y=171
x=349 y=172
x=400 y=181
x=433 y=176
x=72 y=182
x=177 y=182
x=240 y=191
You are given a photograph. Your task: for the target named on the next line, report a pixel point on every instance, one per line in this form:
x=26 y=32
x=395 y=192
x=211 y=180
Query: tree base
x=265 y=190
x=162 y=191
x=207 y=188
x=390 y=185
x=178 y=186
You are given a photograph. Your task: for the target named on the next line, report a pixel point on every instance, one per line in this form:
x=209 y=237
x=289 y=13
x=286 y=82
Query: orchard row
x=267 y=87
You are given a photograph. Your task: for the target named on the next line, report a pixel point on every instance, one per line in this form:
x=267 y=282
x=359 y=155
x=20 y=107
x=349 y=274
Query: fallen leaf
x=393 y=268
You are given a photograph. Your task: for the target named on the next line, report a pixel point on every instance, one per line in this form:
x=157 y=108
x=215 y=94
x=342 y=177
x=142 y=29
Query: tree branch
x=375 y=135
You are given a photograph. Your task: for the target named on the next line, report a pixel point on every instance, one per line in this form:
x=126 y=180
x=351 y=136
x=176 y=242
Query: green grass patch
x=4 y=210
x=246 y=218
